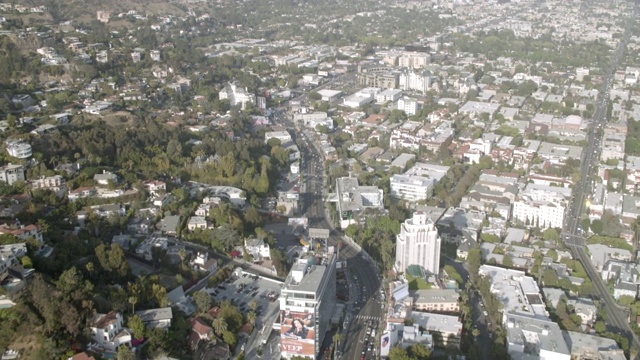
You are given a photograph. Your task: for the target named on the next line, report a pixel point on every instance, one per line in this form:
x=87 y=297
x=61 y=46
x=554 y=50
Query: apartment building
x=237 y=96
x=409 y=105
x=541 y=206
x=416 y=81
x=351 y=199
x=307 y=303
x=418 y=182
x=418 y=244
x=414 y=60
x=11 y=173
x=437 y=300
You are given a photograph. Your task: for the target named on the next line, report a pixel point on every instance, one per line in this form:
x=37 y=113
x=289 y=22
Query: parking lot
x=242 y=288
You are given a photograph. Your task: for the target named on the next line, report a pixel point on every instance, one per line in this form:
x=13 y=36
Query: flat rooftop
x=536 y=335
x=518 y=293
x=437 y=322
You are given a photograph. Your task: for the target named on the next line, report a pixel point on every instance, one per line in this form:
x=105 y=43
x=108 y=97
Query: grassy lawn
x=417 y=283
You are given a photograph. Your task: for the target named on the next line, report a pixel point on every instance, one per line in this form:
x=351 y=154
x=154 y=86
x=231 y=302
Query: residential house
x=585 y=309
x=178 y=299
x=22 y=232
x=169 y=224
x=140 y=225
x=154 y=187
x=197 y=222
x=82 y=356
x=202 y=262
x=108 y=333
x=257 y=248
x=82 y=192
x=156 y=318
x=203 y=210
x=105 y=178
x=123 y=240
x=12 y=173
x=54 y=183
x=108 y=210
x=199 y=332
x=144 y=249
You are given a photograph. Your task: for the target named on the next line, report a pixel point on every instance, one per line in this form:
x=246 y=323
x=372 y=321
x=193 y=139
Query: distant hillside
x=85 y=10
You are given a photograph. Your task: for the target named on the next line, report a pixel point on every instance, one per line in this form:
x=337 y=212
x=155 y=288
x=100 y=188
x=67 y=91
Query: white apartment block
x=414 y=60
x=416 y=81
x=352 y=198
x=418 y=244
x=613 y=146
x=18 y=149
x=541 y=206
x=417 y=183
x=283 y=136
x=237 y=96
x=54 y=183
x=311 y=120
x=11 y=173
x=409 y=105
x=388 y=95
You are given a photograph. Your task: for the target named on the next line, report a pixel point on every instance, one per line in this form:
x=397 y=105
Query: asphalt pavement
x=616 y=321
x=361 y=267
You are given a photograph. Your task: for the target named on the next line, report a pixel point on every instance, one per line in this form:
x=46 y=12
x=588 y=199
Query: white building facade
x=541 y=206
x=418 y=244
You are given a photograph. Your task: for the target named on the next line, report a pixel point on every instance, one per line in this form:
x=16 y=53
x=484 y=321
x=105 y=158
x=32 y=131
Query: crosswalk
x=368 y=317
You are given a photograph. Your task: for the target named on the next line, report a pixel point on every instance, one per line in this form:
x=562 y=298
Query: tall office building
x=418 y=244
x=307 y=303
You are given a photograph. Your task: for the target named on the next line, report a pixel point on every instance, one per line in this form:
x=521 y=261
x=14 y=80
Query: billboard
x=297 y=333
x=385 y=344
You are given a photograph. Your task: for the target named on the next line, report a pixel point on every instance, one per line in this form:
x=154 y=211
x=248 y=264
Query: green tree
x=125 y=353
x=550 y=234
x=136 y=326
x=596 y=226
x=113 y=261
x=219 y=325
x=203 y=301
x=252 y=216
x=474 y=260
x=229 y=338
x=507 y=260
x=419 y=352
x=397 y=115
x=314 y=96
x=251 y=317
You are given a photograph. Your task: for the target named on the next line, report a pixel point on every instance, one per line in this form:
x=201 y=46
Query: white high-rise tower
x=418 y=244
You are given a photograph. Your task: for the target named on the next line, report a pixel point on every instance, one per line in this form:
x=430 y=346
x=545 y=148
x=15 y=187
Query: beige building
x=441 y=301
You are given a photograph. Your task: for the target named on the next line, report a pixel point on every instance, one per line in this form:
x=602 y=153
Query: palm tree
x=251 y=318
x=133 y=300
x=338 y=337
x=183 y=255
x=219 y=326
x=253 y=305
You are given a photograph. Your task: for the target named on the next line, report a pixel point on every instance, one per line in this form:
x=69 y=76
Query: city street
x=617 y=321
x=360 y=266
